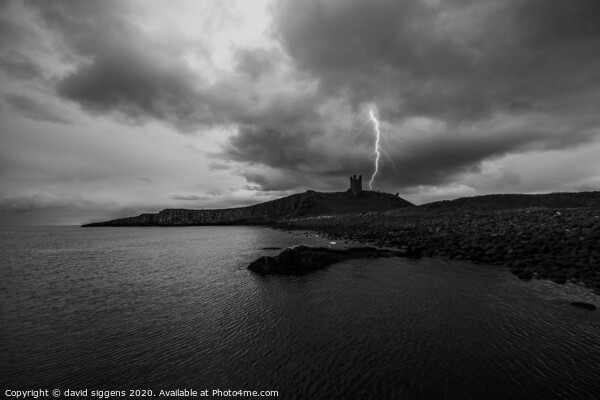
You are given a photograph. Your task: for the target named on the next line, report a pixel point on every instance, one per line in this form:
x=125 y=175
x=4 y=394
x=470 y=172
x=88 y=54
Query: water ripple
x=132 y=307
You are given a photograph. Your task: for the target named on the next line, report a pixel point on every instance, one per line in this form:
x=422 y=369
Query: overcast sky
x=112 y=108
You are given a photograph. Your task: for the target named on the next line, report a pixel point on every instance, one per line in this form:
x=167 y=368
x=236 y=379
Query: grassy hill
x=313 y=203
x=298 y=205
x=497 y=202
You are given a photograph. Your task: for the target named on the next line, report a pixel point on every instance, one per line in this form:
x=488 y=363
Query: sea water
x=176 y=308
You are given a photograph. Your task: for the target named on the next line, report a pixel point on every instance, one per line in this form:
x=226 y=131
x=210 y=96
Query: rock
x=305 y=259
x=525 y=275
x=581 y=304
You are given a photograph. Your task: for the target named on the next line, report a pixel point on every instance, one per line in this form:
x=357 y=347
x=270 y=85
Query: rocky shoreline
x=562 y=245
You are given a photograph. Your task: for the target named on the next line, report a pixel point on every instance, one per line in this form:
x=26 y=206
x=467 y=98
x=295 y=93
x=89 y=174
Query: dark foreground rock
x=581 y=304
x=305 y=259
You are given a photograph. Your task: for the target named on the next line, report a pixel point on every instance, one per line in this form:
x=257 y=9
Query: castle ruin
x=356 y=185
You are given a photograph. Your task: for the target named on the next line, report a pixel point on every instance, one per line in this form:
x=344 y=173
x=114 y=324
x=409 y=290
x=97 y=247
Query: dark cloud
x=11 y=31
x=88 y=26
x=37 y=201
x=277 y=183
x=434 y=159
x=34 y=109
x=271 y=146
x=219 y=166
x=301 y=155
x=433 y=154
x=256 y=62
x=138 y=85
x=188 y=197
x=258 y=180
x=219 y=200
x=458 y=82
x=117 y=68
x=19 y=67
x=491 y=77
x=452 y=58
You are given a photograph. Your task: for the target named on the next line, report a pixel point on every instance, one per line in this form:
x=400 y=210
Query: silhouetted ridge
x=310 y=203
x=496 y=202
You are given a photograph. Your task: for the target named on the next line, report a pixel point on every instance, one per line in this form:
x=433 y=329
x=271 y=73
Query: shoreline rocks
x=562 y=245
x=305 y=259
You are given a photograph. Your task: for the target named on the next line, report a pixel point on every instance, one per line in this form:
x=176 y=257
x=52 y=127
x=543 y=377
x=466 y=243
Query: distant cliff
x=496 y=202
x=310 y=203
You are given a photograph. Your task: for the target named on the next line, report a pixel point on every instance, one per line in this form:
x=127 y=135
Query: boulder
x=305 y=259
x=581 y=304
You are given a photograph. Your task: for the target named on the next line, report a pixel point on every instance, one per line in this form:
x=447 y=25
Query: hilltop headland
x=307 y=204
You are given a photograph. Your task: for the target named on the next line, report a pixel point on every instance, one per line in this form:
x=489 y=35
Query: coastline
x=553 y=236
x=557 y=244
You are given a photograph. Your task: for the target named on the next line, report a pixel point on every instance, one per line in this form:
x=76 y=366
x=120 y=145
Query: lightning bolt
x=377 y=150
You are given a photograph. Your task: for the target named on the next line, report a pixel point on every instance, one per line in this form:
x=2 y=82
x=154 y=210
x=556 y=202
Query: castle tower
x=356 y=185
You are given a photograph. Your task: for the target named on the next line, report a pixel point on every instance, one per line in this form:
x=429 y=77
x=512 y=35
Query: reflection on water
x=121 y=308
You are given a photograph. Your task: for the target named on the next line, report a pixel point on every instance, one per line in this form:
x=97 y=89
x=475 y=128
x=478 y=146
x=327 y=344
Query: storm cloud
x=485 y=78
x=37 y=201
x=238 y=102
x=19 y=67
x=458 y=59
x=137 y=85
x=34 y=109
x=119 y=71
